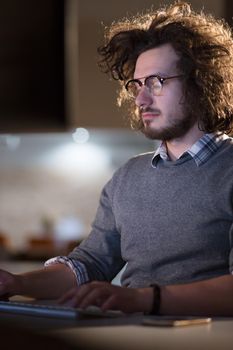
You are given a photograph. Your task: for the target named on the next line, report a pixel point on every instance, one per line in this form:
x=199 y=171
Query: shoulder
x=221 y=164
x=226 y=149
x=142 y=160
x=130 y=170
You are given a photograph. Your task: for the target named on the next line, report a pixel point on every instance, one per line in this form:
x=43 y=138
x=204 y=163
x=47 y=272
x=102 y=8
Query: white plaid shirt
x=200 y=151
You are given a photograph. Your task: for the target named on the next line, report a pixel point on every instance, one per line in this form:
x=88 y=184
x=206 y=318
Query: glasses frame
x=141 y=83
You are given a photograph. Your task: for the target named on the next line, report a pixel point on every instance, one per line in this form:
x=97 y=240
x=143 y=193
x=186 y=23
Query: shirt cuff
x=78 y=268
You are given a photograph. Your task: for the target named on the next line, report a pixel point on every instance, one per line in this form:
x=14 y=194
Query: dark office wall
x=31 y=65
x=35 y=94
x=229 y=11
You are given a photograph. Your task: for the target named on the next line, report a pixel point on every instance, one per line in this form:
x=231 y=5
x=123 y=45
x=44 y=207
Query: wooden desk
x=127 y=333
x=216 y=336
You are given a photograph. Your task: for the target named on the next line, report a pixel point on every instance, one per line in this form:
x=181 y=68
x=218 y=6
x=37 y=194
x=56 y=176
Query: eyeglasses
x=154 y=84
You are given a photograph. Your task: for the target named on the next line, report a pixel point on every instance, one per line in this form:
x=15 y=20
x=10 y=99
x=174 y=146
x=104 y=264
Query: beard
x=175 y=129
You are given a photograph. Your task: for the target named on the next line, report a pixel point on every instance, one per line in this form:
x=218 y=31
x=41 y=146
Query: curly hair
x=205 y=47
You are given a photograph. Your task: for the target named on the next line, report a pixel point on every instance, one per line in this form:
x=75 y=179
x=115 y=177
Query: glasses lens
x=154 y=85
x=132 y=87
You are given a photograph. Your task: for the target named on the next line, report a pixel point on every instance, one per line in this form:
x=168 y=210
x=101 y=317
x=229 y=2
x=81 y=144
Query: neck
x=176 y=147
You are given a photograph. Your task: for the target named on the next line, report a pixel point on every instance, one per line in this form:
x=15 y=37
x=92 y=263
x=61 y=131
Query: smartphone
x=175 y=322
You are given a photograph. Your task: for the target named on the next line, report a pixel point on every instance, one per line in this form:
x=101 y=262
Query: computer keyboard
x=55 y=311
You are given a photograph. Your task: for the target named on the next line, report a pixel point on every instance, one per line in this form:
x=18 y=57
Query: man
x=168 y=215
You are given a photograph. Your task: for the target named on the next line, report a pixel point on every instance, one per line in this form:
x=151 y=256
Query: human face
x=163 y=116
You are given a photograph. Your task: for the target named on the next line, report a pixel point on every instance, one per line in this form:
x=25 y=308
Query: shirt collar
x=200 y=151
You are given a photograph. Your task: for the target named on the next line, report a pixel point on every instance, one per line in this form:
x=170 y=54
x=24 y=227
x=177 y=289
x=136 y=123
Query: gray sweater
x=170 y=224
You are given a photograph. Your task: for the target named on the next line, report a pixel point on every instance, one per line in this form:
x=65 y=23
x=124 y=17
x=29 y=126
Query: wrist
x=145 y=300
x=18 y=287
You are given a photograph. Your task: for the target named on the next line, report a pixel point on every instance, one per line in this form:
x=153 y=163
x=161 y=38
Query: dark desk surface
x=114 y=334
x=124 y=333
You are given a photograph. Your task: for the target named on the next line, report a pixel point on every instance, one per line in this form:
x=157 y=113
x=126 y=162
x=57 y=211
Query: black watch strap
x=156 y=299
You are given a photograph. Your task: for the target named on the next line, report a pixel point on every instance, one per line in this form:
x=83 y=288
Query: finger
x=3 y=289
x=83 y=293
x=74 y=297
x=110 y=303
x=96 y=296
x=67 y=296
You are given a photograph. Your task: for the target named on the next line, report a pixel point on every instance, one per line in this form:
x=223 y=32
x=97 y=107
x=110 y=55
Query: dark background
x=34 y=96
x=31 y=65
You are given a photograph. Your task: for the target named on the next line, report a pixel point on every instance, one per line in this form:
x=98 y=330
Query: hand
x=8 y=284
x=108 y=296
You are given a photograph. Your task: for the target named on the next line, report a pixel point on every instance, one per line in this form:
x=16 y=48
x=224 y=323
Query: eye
x=153 y=83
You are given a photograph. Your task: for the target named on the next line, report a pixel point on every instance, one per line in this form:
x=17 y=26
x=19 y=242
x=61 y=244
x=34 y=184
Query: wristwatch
x=156 y=299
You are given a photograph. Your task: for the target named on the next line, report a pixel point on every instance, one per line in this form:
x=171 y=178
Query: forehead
x=160 y=60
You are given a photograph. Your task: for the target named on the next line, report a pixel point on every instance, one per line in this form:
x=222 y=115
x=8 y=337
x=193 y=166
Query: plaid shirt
x=78 y=268
x=200 y=151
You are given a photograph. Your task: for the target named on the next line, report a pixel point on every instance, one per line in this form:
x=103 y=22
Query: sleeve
x=100 y=252
x=76 y=267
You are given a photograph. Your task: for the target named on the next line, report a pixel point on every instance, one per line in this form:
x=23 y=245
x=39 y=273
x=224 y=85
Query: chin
x=152 y=133
x=164 y=134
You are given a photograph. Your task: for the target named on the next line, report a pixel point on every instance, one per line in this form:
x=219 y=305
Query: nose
x=144 y=97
